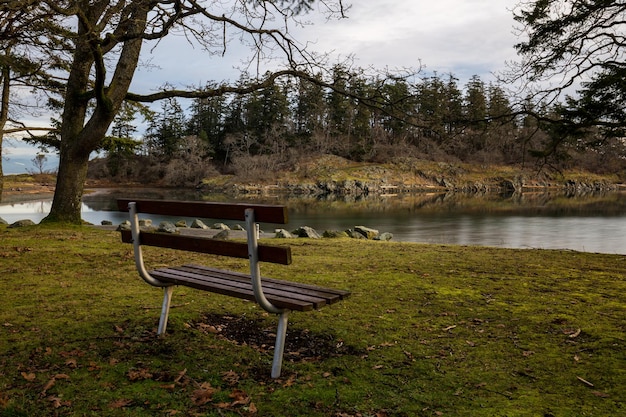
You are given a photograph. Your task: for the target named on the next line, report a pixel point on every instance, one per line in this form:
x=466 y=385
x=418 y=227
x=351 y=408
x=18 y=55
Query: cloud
x=445 y=35
x=464 y=37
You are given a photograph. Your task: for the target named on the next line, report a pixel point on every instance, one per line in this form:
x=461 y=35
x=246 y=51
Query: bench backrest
x=227 y=211
x=209 y=210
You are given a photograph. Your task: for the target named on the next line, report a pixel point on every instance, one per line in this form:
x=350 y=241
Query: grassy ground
x=430 y=330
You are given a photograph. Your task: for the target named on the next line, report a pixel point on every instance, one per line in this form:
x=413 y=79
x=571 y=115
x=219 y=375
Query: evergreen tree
x=431 y=108
x=309 y=108
x=166 y=130
x=453 y=107
x=476 y=113
x=207 y=122
x=338 y=104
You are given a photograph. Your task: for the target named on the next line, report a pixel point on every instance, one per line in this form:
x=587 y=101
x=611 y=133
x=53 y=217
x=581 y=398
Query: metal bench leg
x=165 y=309
x=279 y=348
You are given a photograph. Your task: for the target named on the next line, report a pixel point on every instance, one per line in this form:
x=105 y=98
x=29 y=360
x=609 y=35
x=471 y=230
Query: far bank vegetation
x=253 y=137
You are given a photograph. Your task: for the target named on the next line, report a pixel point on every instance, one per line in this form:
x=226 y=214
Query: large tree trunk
x=68 y=195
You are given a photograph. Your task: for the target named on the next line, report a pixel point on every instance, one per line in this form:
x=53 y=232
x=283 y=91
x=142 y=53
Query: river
x=550 y=220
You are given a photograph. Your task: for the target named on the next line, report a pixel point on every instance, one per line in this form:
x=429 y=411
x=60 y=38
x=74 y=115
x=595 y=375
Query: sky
x=461 y=37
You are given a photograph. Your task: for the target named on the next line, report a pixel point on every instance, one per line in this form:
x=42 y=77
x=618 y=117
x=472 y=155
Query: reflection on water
x=593 y=223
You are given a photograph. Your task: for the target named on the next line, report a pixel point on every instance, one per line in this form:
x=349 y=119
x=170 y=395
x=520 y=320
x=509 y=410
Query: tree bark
x=68 y=195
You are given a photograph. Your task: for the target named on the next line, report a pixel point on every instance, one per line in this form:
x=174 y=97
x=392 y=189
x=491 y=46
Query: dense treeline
x=359 y=118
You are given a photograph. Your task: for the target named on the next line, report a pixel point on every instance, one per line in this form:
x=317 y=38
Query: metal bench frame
x=186 y=275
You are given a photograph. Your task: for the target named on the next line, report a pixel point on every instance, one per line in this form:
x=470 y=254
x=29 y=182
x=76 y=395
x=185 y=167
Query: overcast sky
x=462 y=37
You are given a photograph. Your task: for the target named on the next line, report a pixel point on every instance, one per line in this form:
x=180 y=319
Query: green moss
x=431 y=330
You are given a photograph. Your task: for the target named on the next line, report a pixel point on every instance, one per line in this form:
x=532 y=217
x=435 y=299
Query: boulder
x=223 y=235
x=354 y=234
x=283 y=234
x=167 y=227
x=106 y=223
x=220 y=226
x=22 y=223
x=125 y=225
x=198 y=224
x=366 y=232
x=386 y=236
x=238 y=227
x=145 y=222
x=181 y=223
x=334 y=234
x=306 y=231
x=2 y=221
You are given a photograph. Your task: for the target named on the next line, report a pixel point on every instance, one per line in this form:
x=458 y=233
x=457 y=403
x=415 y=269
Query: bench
x=275 y=296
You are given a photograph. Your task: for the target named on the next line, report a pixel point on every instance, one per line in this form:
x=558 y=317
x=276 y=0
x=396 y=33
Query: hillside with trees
x=360 y=119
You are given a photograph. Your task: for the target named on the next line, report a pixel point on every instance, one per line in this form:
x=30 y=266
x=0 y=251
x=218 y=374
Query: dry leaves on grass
x=121 y=403
x=52 y=382
x=204 y=394
x=139 y=374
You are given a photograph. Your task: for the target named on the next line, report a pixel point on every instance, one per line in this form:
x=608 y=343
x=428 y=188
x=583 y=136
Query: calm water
x=591 y=223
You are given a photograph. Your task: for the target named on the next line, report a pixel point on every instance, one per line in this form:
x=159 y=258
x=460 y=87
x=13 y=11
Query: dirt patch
x=301 y=345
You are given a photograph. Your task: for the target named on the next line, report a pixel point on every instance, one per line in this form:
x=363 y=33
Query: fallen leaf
x=239 y=397
x=252 y=408
x=121 y=403
x=449 y=328
x=29 y=376
x=230 y=377
x=180 y=376
x=139 y=374
x=290 y=381
x=600 y=394
x=93 y=366
x=48 y=385
x=58 y=403
x=204 y=394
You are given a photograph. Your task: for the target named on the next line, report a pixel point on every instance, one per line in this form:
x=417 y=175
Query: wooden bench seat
x=273 y=295
x=282 y=294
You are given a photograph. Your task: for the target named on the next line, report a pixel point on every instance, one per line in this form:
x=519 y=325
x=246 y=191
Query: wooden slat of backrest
x=267 y=253
x=228 y=211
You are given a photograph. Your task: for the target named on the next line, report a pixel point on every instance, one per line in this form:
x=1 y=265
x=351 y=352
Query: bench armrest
x=255 y=271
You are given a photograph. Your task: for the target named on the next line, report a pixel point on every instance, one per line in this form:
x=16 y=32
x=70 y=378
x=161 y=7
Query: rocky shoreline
x=224 y=232
x=358 y=188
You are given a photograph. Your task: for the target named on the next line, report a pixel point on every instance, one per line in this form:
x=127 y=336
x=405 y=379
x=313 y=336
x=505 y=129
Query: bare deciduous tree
x=106 y=43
